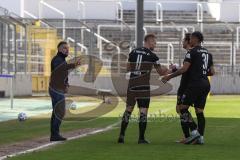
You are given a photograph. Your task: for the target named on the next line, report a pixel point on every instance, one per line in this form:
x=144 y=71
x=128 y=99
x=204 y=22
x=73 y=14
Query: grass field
x=222 y=135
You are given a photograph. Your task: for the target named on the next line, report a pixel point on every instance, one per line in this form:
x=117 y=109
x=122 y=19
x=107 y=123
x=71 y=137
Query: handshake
x=172 y=68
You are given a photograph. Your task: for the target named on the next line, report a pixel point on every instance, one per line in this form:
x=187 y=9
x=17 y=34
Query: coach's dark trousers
x=58 y=106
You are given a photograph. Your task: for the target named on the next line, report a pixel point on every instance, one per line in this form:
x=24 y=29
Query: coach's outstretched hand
x=78 y=62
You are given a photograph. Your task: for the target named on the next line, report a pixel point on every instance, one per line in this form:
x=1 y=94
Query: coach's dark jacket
x=59 y=73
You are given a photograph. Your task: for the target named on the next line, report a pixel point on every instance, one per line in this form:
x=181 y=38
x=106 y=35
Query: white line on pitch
x=55 y=143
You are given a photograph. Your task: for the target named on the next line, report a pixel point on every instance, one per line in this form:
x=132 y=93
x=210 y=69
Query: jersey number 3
x=205 y=62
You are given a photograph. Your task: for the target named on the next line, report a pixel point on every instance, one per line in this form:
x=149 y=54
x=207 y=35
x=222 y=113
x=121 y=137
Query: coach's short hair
x=198 y=35
x=61 y=43
x=148 y=36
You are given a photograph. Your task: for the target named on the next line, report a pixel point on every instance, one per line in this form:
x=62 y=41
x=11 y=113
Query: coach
x=58 y=86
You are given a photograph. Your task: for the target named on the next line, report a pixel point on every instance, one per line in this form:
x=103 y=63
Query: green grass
x=222 y=138
x=14 y=131
x=222 y=142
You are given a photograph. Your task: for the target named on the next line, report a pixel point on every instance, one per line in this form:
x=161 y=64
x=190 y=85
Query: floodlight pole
x=139 y=23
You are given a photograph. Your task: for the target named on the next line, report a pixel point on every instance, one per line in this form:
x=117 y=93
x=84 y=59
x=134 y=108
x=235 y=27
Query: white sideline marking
x=59 y=142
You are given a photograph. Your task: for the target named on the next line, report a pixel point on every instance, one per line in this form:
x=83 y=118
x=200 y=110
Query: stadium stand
x=30 y=44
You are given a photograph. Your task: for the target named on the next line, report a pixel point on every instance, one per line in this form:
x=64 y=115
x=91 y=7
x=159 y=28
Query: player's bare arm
x=162 y=70
x=180 y=71
x=211 y=71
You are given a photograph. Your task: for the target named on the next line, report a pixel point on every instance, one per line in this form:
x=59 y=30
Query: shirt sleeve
x=156 y=60
x=188 y=57
x=131 y=56
x=71 y=66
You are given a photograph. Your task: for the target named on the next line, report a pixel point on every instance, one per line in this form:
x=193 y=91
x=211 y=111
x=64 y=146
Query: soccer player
x=140 y=63
x=183 y=85
x=199 y=65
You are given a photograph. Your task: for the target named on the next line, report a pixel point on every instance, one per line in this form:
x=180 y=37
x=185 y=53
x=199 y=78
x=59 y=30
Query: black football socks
x=142 y=125
x=125 y=121
x=201 y=123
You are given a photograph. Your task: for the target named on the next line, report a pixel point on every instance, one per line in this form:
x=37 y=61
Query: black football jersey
x=201 y=61
x=141 y=62
x=183 y=82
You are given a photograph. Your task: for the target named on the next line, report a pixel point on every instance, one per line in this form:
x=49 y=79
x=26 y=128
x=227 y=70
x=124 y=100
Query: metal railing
x=36 y=18
x=182 y=29
x=57 y=11
x=119 y=8
x=99 y=43
x=101 y=47
x=200 y=15
x=170 y=53
x=237 y=36
x=23 y=40
x=159 y=14
x=225 y=70
x=232 y=49
x=185 y=30
x=9 y=42
x=145 y=28
x=130 y=27
x=177 y=27
x=82 y=5
x=233 y=55
x=14 y=57
x=69 y=39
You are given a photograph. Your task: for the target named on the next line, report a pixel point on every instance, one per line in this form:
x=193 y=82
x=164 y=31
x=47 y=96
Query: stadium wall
x=220 y=85
x=22 y=85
